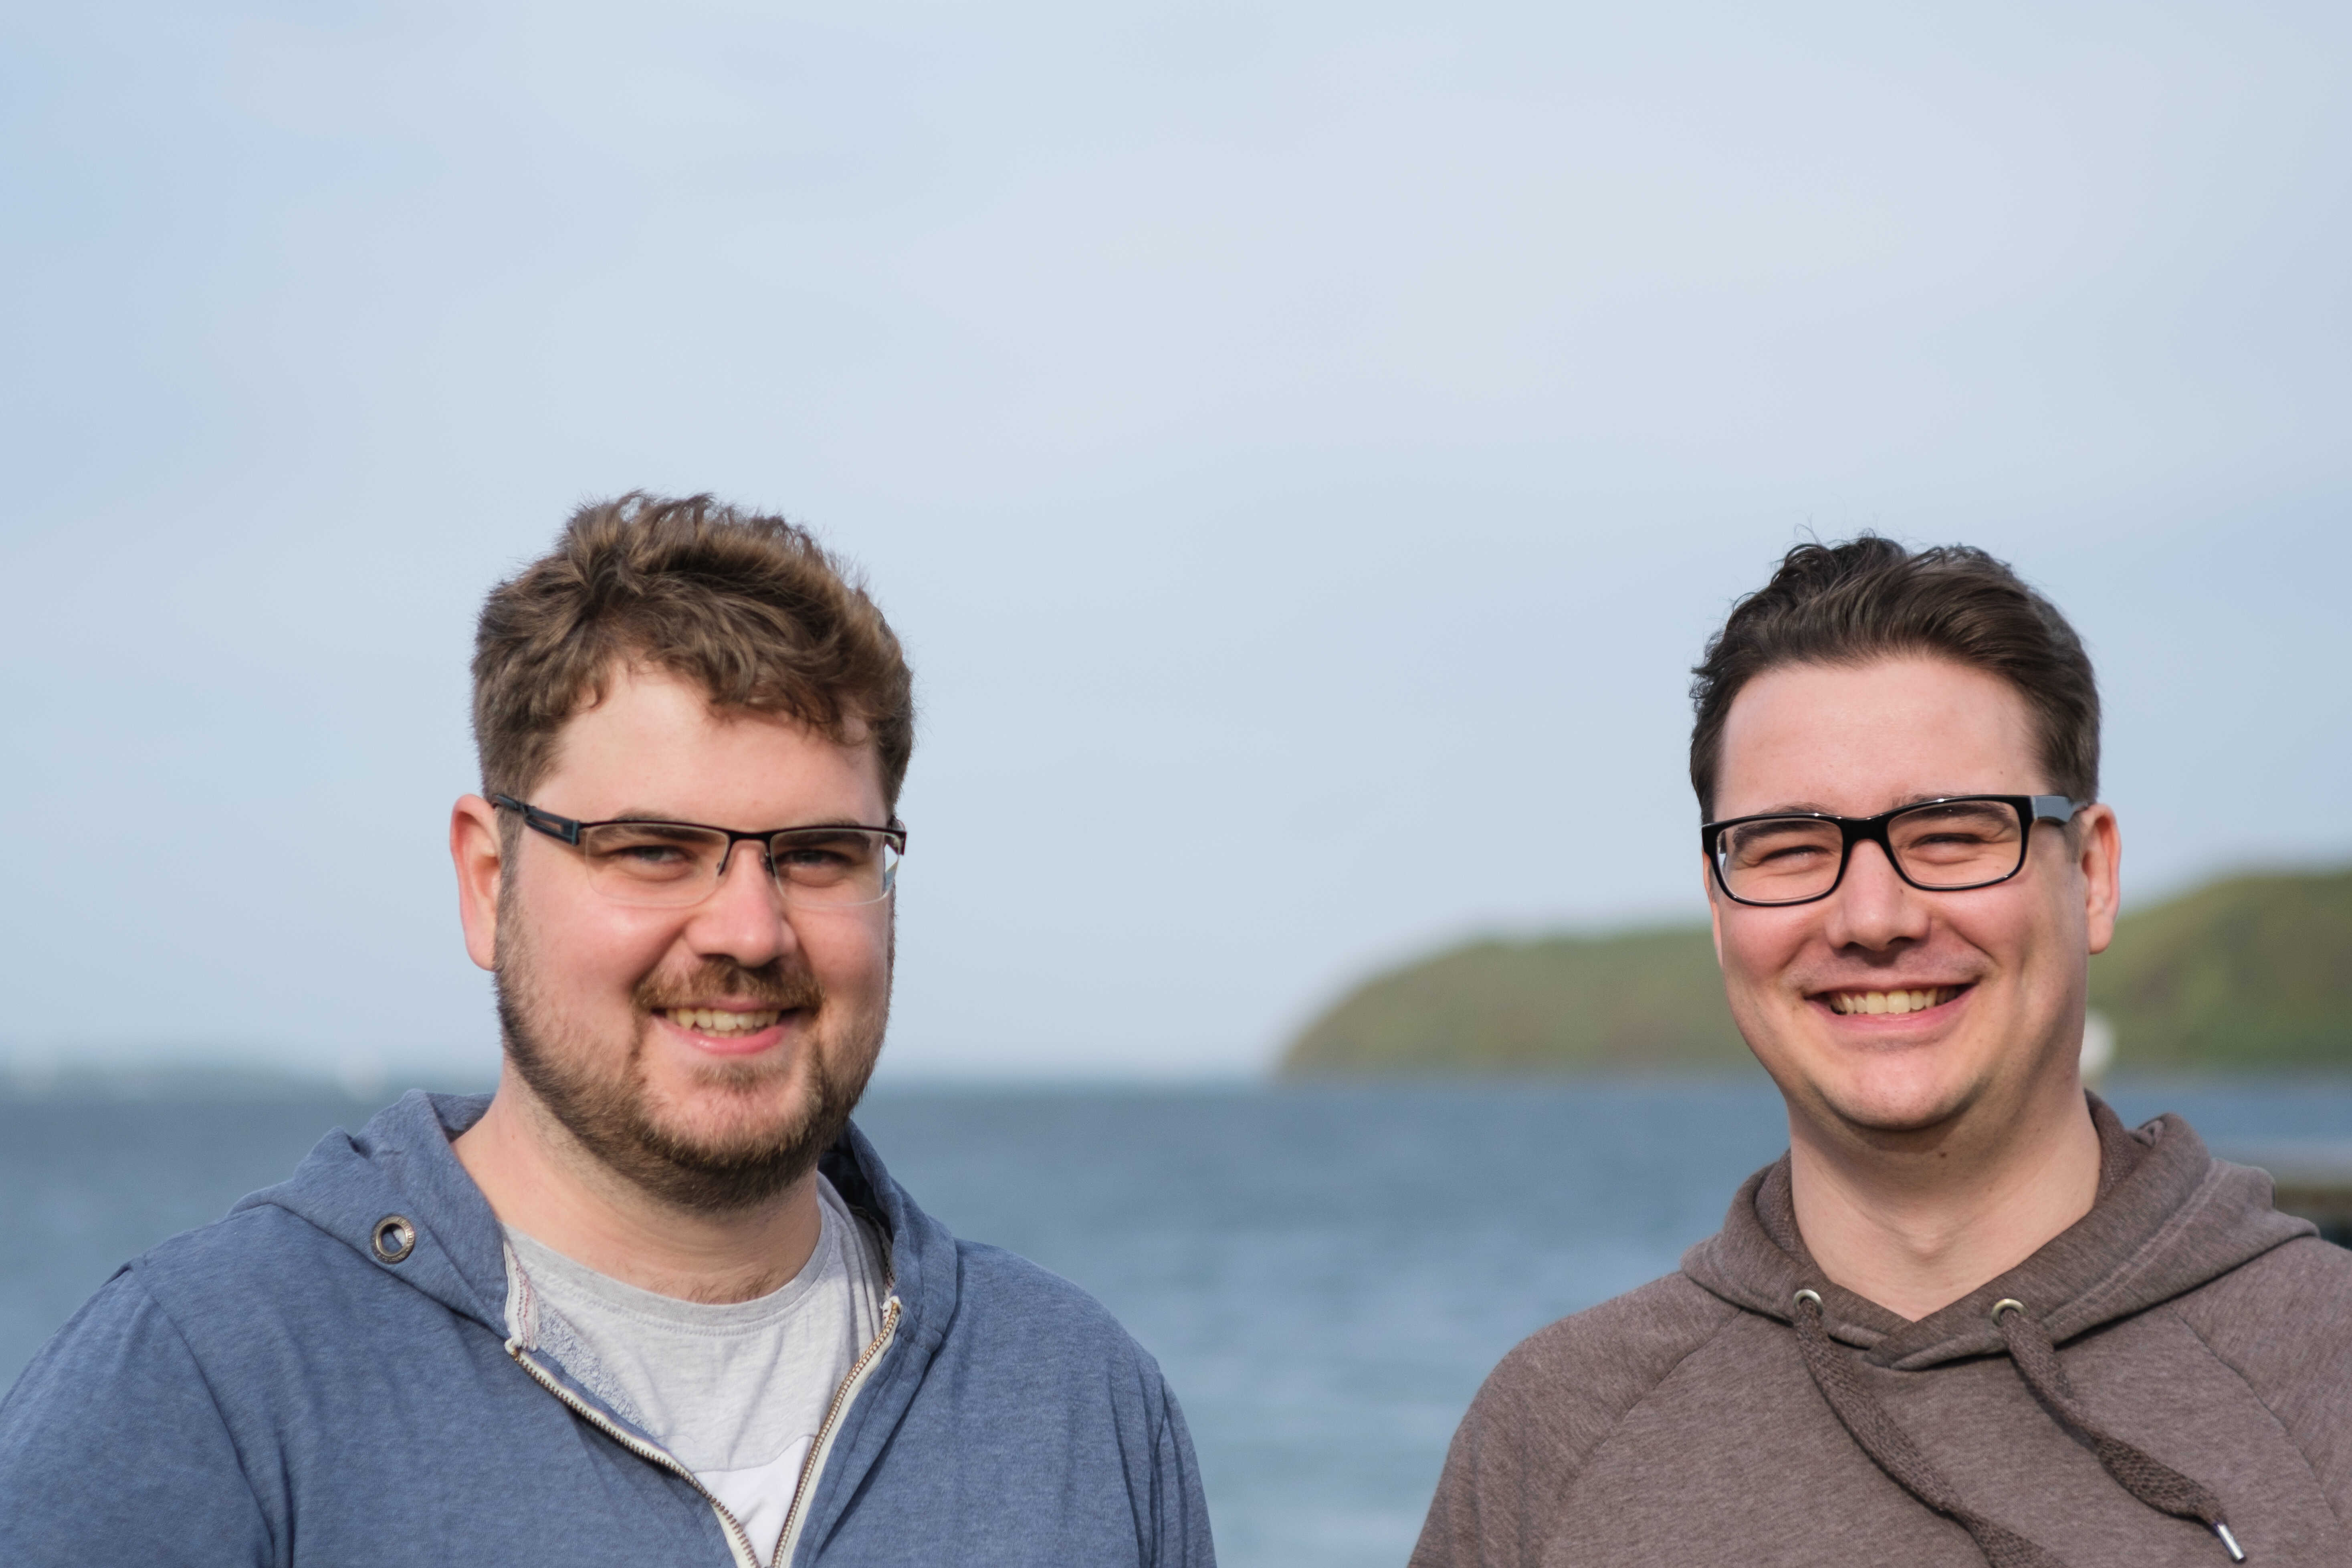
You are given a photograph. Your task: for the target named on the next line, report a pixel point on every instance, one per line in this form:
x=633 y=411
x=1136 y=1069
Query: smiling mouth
x=1876 y=1001
x=720 y=1024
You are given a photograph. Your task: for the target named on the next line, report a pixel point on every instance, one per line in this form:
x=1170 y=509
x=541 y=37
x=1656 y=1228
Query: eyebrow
x=661 y=819
x=642 y=814
x=1801 y=808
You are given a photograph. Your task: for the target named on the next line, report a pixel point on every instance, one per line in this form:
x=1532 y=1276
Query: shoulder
x=1024 y=1356
x=229 y=1272
x=242 y=1282
x=224 y=1308
x=1571 y=1383
x=2276 y=1318
x=2293 y=1298
x=1004 y=1296
x=1549 y=1406
x=122 y=1333
x=1022 y=1345
x=264 y=1310
x=227 y=1253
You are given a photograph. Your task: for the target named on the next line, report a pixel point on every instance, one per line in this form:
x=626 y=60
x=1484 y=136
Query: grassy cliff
x=2253 y=972
x=2247 y=973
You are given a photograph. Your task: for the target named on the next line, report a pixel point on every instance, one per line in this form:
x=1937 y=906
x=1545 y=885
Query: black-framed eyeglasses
x=650 y=862
x=1944 y=846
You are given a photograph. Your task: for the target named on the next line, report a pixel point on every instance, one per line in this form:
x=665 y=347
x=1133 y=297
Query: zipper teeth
x=738 y=1539
x=817 y=1450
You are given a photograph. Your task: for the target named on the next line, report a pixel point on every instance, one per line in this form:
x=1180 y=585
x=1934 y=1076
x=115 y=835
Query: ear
x=474 y=851
x=2099 y=852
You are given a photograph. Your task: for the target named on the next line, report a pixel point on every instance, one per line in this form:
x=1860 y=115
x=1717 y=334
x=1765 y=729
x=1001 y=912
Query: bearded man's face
x=707 y=1054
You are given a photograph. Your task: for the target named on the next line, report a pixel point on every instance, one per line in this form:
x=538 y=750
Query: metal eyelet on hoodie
x=395 y=1237
x=2006 y=1304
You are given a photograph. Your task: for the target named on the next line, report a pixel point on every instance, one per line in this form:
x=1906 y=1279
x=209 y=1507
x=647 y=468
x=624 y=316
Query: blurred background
x=1289 y=439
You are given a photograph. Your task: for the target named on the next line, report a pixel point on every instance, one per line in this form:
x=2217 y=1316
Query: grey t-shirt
x=735 y=1391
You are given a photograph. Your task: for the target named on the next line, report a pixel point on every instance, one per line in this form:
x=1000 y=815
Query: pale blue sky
x=1303 y=447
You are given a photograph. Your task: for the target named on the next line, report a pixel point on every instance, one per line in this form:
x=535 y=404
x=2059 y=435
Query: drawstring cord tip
x=2237 y=1552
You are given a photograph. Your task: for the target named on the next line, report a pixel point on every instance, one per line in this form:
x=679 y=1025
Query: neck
x=540 y=1180
x=1914 y=1221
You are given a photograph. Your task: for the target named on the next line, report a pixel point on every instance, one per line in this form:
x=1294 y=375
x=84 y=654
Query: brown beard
x=611 y=1115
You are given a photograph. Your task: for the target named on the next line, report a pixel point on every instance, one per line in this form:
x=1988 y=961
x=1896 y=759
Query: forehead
x=1857 y=739
x=655 y=744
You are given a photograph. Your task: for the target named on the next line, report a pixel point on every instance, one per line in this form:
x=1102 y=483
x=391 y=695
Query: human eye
x=1784 y=844
x=823 y=848
x=1962 y=826
x=648 y=851
x=1957 y=844
x=1779 y=859
x=821 y=857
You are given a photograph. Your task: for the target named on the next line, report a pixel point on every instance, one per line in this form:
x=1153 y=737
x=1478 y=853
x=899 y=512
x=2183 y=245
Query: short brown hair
x=750 y=607
x=1869 y=598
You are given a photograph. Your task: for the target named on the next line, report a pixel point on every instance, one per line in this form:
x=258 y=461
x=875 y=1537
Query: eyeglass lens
x=656 y=863
x=1958 y=844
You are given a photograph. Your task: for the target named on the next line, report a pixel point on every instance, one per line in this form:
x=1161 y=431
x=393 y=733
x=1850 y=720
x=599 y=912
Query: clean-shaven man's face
x=707 y=1053
x=2004 y=967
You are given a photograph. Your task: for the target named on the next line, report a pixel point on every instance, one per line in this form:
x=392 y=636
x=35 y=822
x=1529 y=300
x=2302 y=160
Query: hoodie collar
x=400 y=1165
x=2169 y=1217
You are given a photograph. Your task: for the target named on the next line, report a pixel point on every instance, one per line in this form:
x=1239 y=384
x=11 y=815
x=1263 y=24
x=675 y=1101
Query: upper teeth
x=1891 y=1001
x=712 y=1021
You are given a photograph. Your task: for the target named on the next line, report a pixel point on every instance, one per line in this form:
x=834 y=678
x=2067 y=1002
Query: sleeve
x=1183 y=1507
x=113 y=1450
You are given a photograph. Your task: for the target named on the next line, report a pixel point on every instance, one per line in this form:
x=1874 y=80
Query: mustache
x=792 y=989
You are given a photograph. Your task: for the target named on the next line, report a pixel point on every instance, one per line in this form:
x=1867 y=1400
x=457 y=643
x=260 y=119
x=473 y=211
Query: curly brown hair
x=749 y=607
x=1869 y=598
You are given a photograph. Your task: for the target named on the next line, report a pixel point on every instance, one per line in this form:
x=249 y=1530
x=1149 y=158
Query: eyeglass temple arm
x=545 y=822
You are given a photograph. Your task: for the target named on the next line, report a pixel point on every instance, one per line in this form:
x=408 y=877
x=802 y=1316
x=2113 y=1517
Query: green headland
x=2249 y=973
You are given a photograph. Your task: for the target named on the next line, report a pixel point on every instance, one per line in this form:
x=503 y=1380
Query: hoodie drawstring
x=1891 y=1448
x=2155 y=1483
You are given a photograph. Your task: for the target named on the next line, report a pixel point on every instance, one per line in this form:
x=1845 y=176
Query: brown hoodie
x=2202 y=1370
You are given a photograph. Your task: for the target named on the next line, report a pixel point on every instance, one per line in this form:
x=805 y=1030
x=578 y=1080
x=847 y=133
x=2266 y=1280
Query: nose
x=743 y=918
x=1873 y=909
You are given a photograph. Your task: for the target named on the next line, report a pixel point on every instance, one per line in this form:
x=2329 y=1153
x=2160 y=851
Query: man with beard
x=655 y=1300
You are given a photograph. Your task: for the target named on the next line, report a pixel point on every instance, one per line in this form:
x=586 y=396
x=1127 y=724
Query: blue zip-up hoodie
x=275 y=1389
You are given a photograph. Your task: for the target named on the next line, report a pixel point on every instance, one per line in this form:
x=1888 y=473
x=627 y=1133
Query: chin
x=1897 y=1115
x=728 y=1113
x=1914 y=1092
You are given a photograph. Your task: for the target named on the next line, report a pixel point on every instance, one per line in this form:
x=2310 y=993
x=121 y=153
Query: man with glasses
x=656 y=1300
x=1970 y=1316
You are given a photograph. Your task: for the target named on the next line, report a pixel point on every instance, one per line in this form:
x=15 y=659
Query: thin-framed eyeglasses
x=1944 y=846
x=671 y=864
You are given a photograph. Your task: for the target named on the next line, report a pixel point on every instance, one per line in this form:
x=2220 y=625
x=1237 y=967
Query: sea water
x=1324 y=1273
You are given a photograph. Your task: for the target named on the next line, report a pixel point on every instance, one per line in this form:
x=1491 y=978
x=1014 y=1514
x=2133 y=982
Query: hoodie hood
x=2169 y=1217
x=400 y=1165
